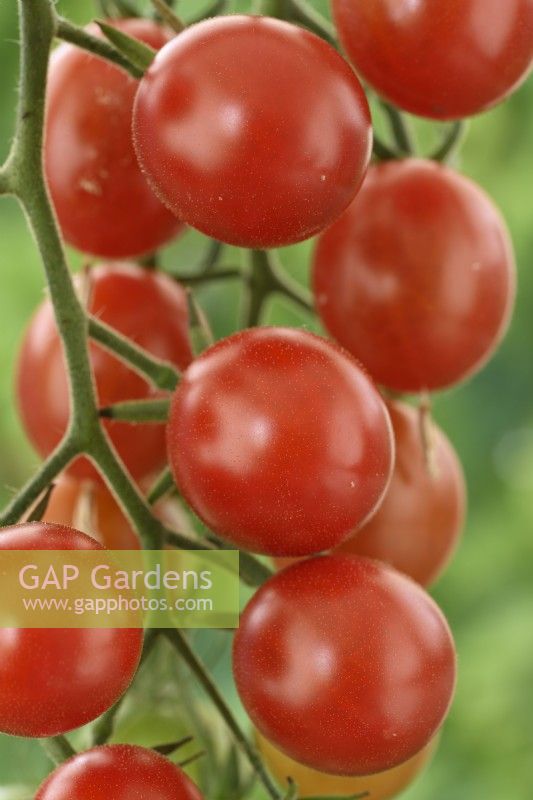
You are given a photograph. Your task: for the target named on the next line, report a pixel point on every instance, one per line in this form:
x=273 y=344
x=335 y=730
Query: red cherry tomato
x=346 y=665
x=417 y=526
x=118 y=772
x=445 y=60
x=417 y=278
x=103 y=202
x=55 y=680
x=252 y=130
x=146 y=306
x=279 y=442
x=91 y=508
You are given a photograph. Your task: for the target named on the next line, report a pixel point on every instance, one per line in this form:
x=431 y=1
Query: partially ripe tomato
x=445 y=60
x=311 y=783
x=279 y=441
x=103 y=202
x=417 y=527
x=148 y=307
x=55 y=680
x=253 y=130
x=345 y=664
x=91 y=508
x=118 y=772
x=417 y=278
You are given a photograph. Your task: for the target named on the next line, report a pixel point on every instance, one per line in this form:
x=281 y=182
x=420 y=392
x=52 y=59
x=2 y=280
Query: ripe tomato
x=417 y=278
x=381 y=786
x=252 y=130
x=146 y=306
x=103 y=202
x=91 y=508
x=118 y=772
x=279 y=442
x=346 y=665
x=55 y=680
x=443 y=60
x=419 y=522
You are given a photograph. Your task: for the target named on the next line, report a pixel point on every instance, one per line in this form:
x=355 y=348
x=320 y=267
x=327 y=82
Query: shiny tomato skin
x=443 y=59
x=345 y=664
x=146 y=306
x=118 y=772
x=90 y=507
x=55 y=680
x=417 y=278
x=380 y=786
x=279 y=441
x=103 y=202
x=417 y=527
x=252 y=130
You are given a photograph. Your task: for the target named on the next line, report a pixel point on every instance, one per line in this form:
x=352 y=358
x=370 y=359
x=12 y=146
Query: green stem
x=400 y=128
x=104 y=726
x=69 y=32
x=266 y=277
x=383 y=152
x=197 y=279
x=303 y=12
x=138 y=411
x=161 y=374
x=452 y=142
x=163 y=484
x=58 y=749
x=180 y=643
x=168 y=16
x=33 y=489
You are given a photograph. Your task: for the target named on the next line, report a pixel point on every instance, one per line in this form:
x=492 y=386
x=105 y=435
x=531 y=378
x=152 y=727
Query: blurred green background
x=486 y=751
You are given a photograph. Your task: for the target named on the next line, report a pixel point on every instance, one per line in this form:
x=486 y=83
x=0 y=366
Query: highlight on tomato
x=444 y=60
x=103 y=202
x=265 y=151
x=62 y=678
x=417 y=278
x=279 y=441
x=118 y=772
x=344 y=664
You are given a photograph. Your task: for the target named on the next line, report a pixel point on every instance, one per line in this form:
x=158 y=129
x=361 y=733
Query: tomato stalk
x=58 y=749
x=69 y=32
x=180 y=643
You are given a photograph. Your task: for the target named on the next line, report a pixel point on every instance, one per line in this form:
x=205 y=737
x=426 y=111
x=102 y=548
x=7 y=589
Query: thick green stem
x=178 y=640
x=44 y=476
x=266 y=277
x=161 y=374
x=101 y=47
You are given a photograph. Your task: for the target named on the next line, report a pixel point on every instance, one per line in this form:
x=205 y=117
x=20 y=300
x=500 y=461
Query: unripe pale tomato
x=118 y=772
x=253 y=130
x=91 y=508
x=103 y=202
x=380 y=786
x=345 y=664
x=444 y=59
x=417 y=526
x=417 y=278
x=279 y=441
x=55 y=680
x=148 y=307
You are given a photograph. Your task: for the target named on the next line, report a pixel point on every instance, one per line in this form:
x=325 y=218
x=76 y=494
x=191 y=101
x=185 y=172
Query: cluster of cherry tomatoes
x=258 y=133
